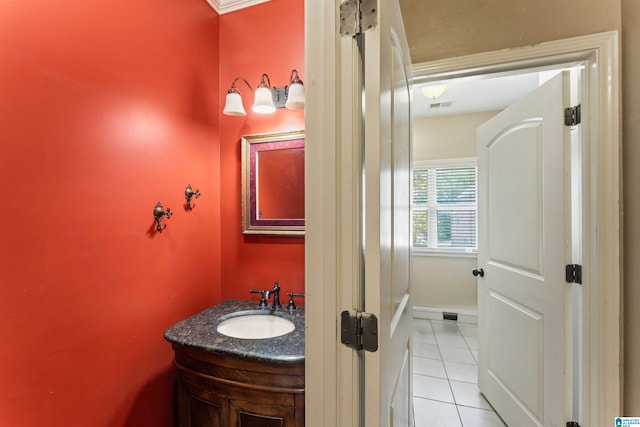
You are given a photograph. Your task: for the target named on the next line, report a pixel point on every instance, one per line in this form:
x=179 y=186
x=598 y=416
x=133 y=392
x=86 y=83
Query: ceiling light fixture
x=433 y=91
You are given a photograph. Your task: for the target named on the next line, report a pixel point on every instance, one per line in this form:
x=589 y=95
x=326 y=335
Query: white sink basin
x=255 y=326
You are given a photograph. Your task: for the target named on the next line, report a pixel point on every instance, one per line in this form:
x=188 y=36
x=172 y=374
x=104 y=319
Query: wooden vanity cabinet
x=217 y=389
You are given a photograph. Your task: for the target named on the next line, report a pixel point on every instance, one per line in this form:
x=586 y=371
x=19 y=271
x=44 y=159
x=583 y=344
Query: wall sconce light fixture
x=233 y=104
x=267 y=98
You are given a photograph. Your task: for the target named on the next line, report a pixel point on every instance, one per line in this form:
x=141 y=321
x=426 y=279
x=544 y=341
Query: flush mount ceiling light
x=433 y=91
x=267 y=98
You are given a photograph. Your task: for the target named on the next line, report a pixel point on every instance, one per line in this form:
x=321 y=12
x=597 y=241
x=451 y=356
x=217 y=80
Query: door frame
x=334 y=125
x=332 y=389
x=602 y=245
x=332 y=122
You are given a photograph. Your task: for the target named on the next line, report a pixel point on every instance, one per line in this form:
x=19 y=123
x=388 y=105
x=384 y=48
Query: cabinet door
x=203 y=413
x=198 y=405
x=251 y=414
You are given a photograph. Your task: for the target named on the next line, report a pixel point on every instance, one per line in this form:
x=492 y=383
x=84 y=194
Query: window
x=444 y=206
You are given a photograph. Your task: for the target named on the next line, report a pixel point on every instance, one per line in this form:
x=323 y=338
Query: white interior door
x=387 y=173
x=524 y=245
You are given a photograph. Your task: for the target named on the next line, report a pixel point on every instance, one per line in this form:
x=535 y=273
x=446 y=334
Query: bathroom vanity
x=229 y=381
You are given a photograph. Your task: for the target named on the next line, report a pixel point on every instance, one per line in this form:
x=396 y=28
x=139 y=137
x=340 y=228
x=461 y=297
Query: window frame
x=443 y=163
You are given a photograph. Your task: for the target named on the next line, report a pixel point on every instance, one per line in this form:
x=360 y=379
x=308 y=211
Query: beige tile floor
x=445 y=376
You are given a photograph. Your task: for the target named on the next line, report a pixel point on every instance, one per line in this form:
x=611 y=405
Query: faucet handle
x=264 y=295
x=292 y=305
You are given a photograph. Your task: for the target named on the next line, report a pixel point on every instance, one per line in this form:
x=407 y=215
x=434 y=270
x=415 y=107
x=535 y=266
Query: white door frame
x=602 y=238
x=331 y=389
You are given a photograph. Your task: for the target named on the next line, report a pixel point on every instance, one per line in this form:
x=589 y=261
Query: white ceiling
x=474 y=94
x=225 y=6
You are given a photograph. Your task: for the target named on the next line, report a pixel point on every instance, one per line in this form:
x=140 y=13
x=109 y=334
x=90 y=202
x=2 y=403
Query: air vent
x=443 y=104
x=450 y=316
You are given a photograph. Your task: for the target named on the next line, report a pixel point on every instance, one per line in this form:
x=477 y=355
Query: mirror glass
x=273 y=183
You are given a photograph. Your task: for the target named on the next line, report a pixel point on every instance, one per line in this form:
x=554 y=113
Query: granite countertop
x=200 y=331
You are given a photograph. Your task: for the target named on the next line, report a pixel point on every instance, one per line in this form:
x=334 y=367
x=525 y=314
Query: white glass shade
x=233 y=105
x=433 y=91
x=295 y=100
x=263 y=102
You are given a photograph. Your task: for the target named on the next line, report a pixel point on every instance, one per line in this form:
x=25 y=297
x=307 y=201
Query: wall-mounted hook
x=158 y=214
x=188 y=194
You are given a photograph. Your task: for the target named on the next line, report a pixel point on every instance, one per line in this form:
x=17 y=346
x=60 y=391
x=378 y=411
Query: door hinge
x=357 y=17
x=572 y=116
x=359 y=330
x=573 y=424
x=573 y=273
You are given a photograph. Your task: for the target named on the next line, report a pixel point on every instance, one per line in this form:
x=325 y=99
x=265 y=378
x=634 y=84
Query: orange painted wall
x=267 y=38
x=106 y=107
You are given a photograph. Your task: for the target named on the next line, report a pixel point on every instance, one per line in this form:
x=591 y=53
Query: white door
x=387 y=173
x=524 y=245
x=357 y=242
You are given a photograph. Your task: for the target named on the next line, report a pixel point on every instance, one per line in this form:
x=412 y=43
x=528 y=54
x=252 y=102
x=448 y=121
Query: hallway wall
x=631 y=202
x=445 y=281
x=438 y=30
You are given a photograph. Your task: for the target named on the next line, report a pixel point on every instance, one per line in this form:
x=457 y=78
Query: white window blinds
x=444 y=206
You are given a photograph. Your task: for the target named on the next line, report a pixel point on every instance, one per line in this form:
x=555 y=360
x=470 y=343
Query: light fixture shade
x=263 y=102
x=233 y=105
x=295 y=100
x=433 y=91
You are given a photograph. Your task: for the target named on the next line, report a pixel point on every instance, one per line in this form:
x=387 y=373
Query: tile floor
x=445 y=376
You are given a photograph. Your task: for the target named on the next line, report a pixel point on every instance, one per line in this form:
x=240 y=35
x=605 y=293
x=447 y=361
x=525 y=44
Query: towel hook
x=158 y=214
x=188 y=194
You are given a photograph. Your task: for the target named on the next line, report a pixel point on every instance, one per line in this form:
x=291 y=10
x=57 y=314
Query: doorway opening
x=446 y=351
x=329 y=378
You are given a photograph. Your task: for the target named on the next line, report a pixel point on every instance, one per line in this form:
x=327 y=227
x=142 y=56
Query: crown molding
x=226 y=6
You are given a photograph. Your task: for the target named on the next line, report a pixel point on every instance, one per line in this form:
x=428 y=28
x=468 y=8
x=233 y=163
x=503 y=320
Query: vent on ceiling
x=443 y=104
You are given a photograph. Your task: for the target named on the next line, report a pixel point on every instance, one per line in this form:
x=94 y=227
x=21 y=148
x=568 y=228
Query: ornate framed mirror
x=273 y=183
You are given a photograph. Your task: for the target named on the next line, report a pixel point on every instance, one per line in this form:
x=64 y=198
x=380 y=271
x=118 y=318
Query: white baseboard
x=436 y=313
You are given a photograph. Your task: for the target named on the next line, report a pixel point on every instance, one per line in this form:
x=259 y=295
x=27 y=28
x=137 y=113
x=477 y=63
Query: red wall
x=106 y=107
x=267 y=38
